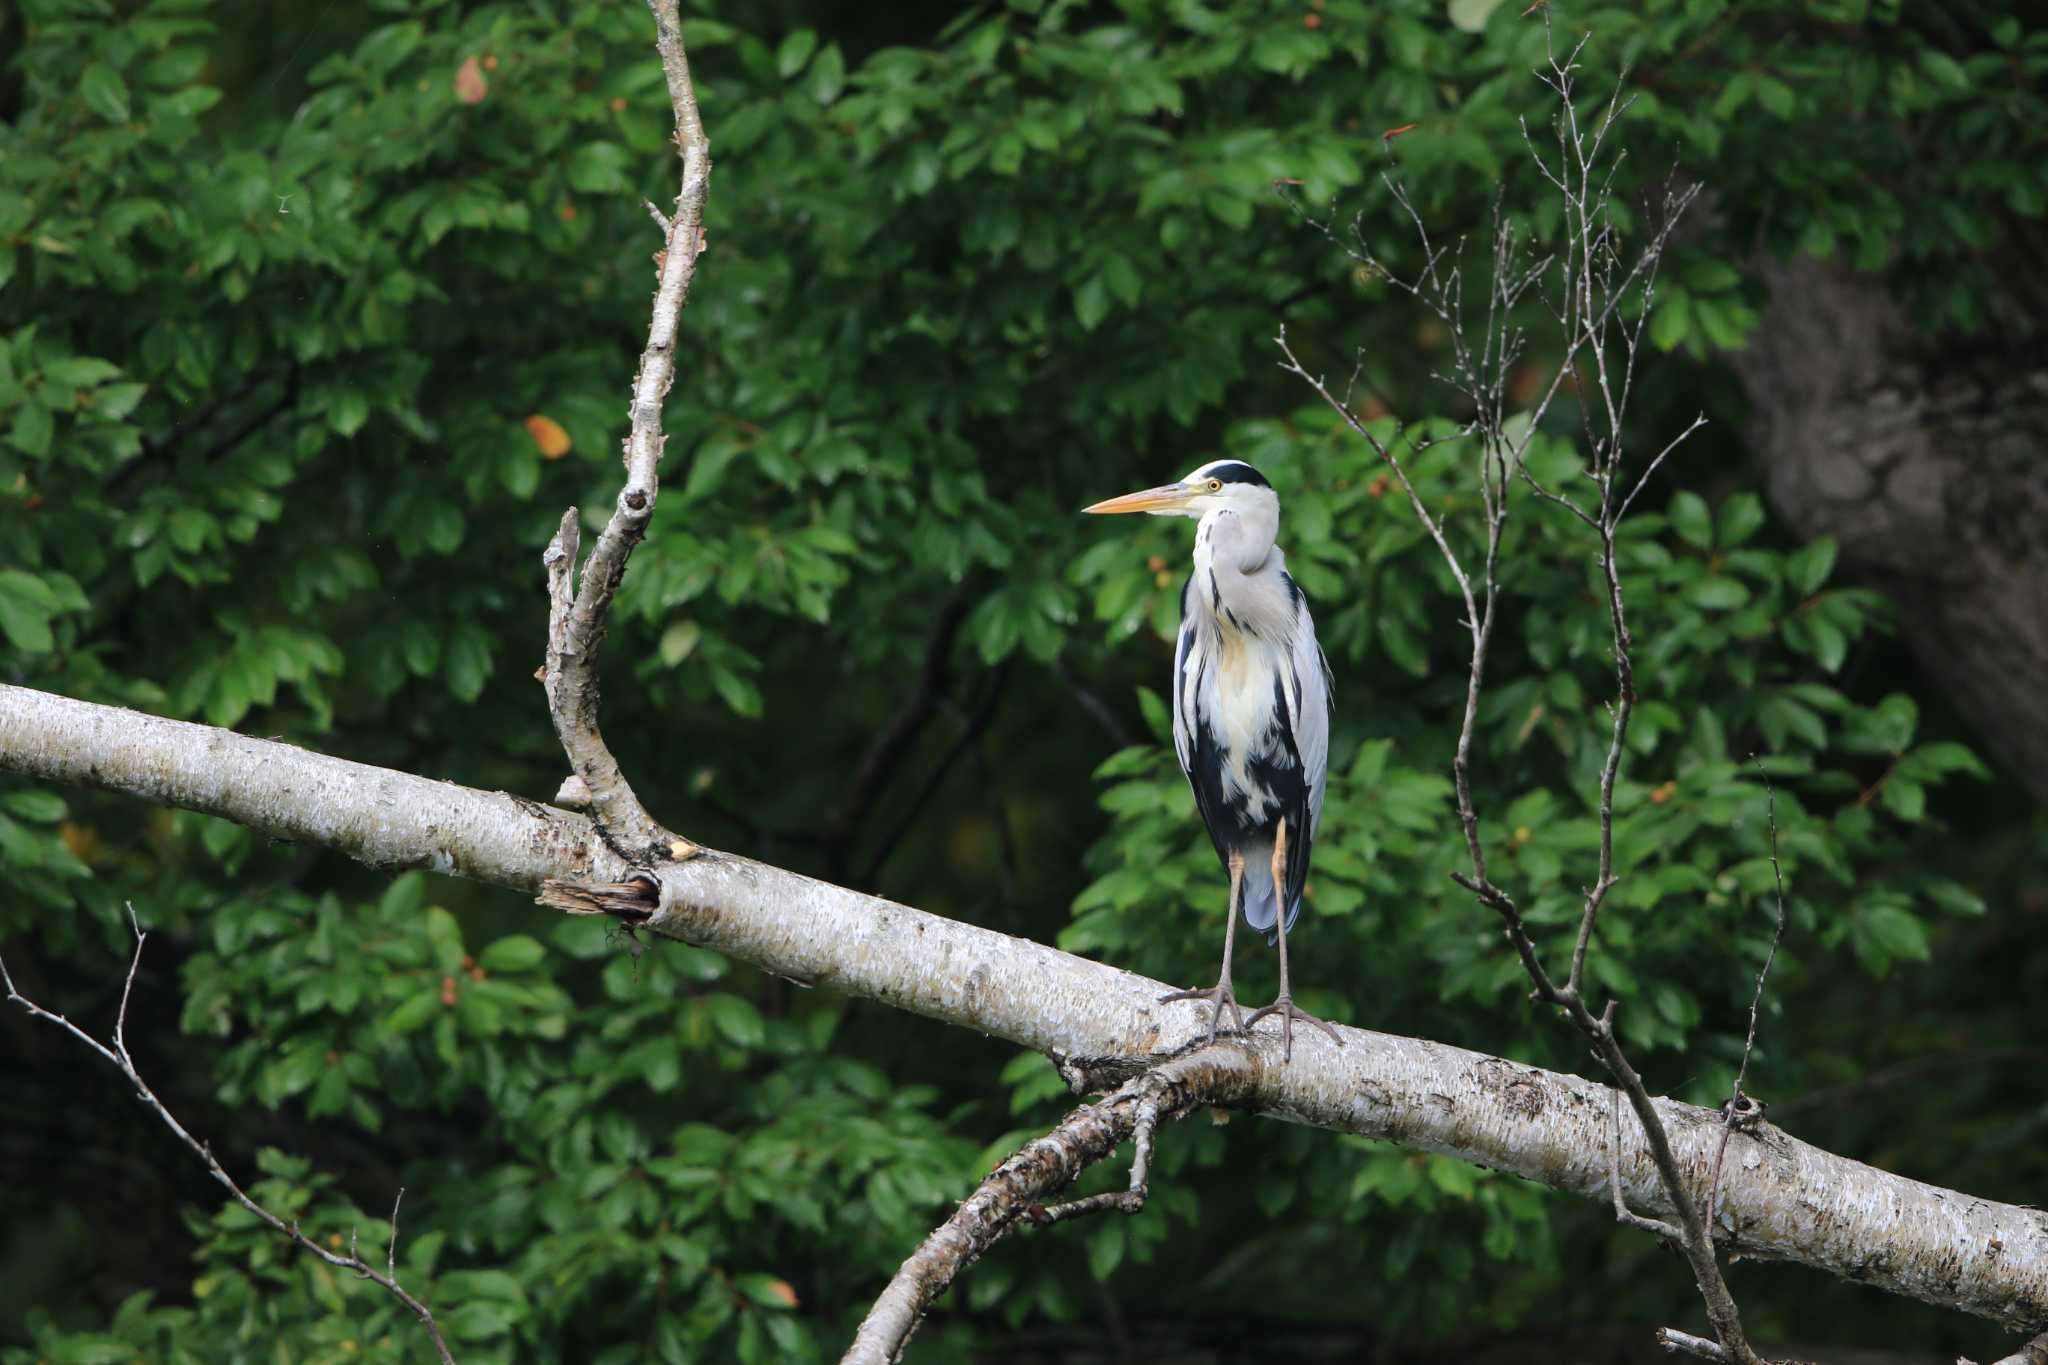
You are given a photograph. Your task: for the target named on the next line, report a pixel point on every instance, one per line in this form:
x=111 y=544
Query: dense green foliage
x=290 y=320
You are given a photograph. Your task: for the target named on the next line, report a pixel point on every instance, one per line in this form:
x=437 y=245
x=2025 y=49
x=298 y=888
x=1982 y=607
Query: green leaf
x=1671 y=323
x=1955 y=898
x=33 y=429
x=104 y=92
x=385 y=49
x=79 y=372
x=794 y=51
x=1808 y=567
x=347 y=410
x=1106 y=1248
x=1471 y=15
x=25 y=607
x=1153 y=708
x=115 y=401
x=827 y=75
x=1691 y=519
x=421 y=646
x=736 y=1019
x=480 y=1319
x=468 y=664
x=414 y=1012
x=1718 y=592
x=1895 y=930
x=1904 y=798
x=599 y=168
x=1741 y=517
x=444 y=937
x=42 y=807
x=679 y=641
x=1091 y=302
x=1830 y=645
x=513 y=953
x=738 y=692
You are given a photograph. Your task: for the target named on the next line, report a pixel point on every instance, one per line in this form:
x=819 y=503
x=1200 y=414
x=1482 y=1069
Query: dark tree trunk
x=1927 y=459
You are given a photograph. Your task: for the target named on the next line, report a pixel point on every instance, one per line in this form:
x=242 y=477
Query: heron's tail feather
x=1261 y=902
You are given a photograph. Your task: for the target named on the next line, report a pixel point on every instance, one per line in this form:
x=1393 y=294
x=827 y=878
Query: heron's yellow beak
x=1166 y=498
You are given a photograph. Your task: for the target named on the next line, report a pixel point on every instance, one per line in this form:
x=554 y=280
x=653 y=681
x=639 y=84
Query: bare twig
x=576 y=627
x=1214 y=1074
x=1656 y=1227
x=1741 y=1110
x=119 y=1056
x=1600 y=351
x=1756 y=999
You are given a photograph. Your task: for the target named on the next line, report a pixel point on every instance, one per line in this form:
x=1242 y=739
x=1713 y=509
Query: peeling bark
x=1779 y=1198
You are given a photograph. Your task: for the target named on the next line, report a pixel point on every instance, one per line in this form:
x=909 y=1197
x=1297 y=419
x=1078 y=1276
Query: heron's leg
x=1221 y=993
x=1283 y=1004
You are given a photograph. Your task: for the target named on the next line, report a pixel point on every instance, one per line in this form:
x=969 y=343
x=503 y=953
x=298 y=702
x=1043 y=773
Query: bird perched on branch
x=1251 y=711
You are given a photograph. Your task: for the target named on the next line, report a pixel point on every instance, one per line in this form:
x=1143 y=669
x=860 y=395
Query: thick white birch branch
x=1779 y=1198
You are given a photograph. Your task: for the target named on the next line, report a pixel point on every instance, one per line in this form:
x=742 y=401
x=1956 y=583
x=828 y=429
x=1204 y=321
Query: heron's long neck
x=1238 y=568
x=1236 y=542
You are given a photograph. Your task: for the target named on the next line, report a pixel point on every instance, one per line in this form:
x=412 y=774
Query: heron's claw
x=1221 y=995
x=1284 y=1007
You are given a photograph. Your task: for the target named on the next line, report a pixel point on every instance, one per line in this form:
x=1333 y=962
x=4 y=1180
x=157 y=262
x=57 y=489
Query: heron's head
x=1219 y=486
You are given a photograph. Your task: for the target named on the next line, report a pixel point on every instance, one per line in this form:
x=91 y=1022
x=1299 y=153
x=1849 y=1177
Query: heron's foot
x=1222 y=996
x=1284 y=1007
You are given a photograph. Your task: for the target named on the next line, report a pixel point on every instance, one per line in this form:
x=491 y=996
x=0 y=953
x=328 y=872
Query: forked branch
x=579 y=610
x=1015 y=1191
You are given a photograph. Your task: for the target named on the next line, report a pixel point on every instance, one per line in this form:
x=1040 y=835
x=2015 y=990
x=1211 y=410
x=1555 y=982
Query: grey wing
x=1185 y=681
x=1309 y=698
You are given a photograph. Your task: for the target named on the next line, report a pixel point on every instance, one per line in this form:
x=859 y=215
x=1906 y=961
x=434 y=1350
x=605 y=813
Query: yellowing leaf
x=547 y=434
x=470 y=85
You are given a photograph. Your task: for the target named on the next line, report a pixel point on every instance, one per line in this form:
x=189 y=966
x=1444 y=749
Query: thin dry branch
x=1218 y=1073
x=1599 y=356
x=577 y=624
x=1656 y=1227
x=1741 y=1111
x=119 y=1057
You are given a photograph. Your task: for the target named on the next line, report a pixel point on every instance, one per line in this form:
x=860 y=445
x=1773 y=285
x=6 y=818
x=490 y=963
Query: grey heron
x=1251 y=712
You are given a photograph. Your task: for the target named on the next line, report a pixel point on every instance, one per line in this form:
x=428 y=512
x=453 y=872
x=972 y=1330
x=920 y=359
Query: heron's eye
x=1215 y=485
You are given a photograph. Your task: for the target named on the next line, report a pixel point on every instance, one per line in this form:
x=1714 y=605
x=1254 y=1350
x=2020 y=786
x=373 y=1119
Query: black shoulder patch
x=1234 y=471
